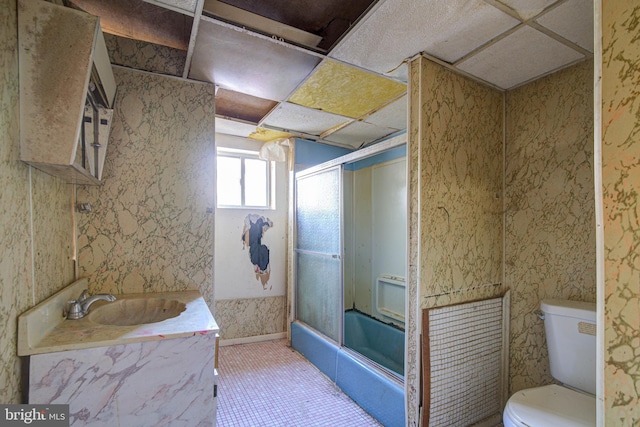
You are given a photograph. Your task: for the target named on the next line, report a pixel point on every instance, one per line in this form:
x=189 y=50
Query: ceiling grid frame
x=522 y=15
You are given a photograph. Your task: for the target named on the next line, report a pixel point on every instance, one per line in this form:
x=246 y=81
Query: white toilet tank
x=570 y=328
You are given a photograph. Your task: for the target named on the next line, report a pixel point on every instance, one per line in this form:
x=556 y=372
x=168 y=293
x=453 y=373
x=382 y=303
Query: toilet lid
x=552 y=405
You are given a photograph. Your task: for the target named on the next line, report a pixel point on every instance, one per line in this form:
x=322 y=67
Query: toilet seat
x=550 y=405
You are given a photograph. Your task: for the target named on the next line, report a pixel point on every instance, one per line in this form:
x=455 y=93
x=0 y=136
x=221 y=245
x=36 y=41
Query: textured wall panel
x=250 y=317
x=36 y=259
x=461 y=190
x=455 y=198
x=150 y=229
x=549 y=200
x=145 y=56
x=621 y=180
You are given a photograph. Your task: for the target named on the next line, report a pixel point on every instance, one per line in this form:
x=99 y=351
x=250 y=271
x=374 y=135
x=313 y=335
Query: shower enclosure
x=350 y=266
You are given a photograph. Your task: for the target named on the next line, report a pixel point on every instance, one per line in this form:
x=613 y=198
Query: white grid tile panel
x=466 y=357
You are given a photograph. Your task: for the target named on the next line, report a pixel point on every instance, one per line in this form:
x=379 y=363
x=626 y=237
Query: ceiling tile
x=238 y=61
x=572 y=20
x=527 y=9
x=303 y=119
x=359 y=133
x=347 y=91
x=262 y=134
x=399 y=29
x=520 y=57
x=240 y=106
x=393 y=116
x=231 y=127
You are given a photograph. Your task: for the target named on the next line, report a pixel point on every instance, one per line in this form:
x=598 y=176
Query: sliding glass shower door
x=318 y=250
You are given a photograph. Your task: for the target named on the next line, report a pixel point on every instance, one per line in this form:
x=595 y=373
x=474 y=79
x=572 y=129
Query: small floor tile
x=270 y=384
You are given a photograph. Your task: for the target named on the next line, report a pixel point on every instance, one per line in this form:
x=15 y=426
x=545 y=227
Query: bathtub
x=380 y=394
x=380 y=342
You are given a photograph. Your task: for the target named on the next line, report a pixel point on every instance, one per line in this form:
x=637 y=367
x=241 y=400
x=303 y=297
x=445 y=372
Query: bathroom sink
x=136 y=311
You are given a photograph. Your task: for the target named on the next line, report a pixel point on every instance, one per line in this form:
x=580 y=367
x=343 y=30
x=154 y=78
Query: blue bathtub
x=380 y=342
x=379 y=394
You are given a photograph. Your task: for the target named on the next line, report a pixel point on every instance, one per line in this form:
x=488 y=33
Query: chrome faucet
x=78 y=308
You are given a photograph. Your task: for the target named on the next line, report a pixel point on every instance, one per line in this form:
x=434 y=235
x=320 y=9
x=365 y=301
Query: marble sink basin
x=136 y=311
x=132 y=318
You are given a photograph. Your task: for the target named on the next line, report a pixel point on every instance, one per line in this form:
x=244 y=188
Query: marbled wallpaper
x=250 y=317
x=16 y=287
x=461 y=186
x=412 y=330
x=151 y=227
x=145 y=56
x=621 y=180
x=550 y=211
x=36 y=230
x=53 y=237
x=455 y=191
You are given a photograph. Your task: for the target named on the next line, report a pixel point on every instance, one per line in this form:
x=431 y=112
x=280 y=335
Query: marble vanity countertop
x=43 y=329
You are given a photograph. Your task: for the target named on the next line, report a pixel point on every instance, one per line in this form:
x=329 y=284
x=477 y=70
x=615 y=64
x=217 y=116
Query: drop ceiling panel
x=527 y=9
x=519 y=57
x=399 y=29
x=359 y=133
x=392 y=116
x=240 y=106
x=484 y=38
x=345 y=90
x=262 y=134
x=572 y=20
x=232 y=127
x=245 y=63
x=303 y=119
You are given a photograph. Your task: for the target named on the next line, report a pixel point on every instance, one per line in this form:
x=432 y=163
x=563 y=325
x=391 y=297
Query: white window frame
x=270 y=178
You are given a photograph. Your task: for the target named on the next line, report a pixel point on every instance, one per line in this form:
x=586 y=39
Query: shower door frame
x=363 y=153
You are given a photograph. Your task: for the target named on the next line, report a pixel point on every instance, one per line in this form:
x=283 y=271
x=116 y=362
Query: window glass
x=229 y=181
x=243 y=180
x=255 y=176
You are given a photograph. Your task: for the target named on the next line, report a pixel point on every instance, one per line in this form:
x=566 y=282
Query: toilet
x=570 y=328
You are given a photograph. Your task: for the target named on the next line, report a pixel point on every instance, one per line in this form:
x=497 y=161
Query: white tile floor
x=269 y=384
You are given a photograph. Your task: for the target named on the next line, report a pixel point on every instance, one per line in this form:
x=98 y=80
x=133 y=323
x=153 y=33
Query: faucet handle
x=83 y=296
x=73 y=310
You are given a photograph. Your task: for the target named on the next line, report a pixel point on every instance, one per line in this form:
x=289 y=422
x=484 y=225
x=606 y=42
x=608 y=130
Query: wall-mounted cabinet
x=67 y=91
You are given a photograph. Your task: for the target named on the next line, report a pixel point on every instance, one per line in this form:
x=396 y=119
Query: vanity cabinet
x=67 y=90
x=152 y=383
x=123 y=373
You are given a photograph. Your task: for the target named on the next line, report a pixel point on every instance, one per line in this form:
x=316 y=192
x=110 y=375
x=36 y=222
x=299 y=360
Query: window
x=243 y=179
